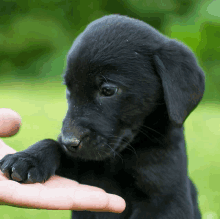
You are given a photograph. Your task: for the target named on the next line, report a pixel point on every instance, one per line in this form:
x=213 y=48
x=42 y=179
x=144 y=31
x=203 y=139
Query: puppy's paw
x=23 y=167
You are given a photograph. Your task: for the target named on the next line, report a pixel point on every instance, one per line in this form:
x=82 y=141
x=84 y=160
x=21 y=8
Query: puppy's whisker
x=150 y=137
x=128 y=144
x=144 y=133
x=111 y=148
x=129 y=147
x=115 y=152
x=153 y=130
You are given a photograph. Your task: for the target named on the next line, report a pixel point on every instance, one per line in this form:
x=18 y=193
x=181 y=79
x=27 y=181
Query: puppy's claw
x=30 y=179
x=15 y=176
x=3 y=168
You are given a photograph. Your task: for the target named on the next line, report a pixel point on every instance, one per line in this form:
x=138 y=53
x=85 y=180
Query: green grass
x=202 y=131
x=42 y=107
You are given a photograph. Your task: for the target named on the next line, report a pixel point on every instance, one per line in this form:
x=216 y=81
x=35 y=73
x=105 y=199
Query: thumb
x=10 y=122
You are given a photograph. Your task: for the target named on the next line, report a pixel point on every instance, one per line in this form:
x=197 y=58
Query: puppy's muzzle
x=72 y=140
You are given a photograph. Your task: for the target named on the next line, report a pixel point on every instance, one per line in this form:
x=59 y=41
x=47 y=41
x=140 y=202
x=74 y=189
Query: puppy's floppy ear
x=183 y=80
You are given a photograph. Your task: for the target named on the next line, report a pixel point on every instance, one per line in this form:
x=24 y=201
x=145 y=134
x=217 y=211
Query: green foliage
x=34 y=33
x=209 y=48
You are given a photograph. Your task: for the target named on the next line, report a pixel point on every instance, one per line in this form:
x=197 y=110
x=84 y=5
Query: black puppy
x=129 y=91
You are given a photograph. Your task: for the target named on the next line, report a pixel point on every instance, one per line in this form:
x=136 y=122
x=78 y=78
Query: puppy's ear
x=183 y=80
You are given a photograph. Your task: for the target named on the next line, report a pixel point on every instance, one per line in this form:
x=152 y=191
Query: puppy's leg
x=35 y=164
x=95 y=215
x=166 y=208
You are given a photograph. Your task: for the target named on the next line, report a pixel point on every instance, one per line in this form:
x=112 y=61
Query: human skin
x=58 y=193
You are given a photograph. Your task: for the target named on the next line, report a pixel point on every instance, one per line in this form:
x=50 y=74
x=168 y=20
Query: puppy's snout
x=73 y=140
x=72 y=143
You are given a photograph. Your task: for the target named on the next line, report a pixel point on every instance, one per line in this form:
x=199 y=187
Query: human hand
x=57 y=193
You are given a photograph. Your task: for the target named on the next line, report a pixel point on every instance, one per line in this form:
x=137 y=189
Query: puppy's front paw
x=23 y=167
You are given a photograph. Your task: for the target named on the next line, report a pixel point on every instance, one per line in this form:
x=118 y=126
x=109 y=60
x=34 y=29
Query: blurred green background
x=34 y=39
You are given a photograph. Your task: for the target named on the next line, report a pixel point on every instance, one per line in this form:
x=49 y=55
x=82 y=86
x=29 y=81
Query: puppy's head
x=118 y=70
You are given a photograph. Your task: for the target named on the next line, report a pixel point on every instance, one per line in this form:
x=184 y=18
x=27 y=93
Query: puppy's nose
x=72 y=144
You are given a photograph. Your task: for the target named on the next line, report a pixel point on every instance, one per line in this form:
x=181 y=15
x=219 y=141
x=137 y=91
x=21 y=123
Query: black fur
x=129 y=91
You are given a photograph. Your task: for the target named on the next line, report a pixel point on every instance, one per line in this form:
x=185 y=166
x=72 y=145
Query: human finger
x=38 y=196
x=10 y=122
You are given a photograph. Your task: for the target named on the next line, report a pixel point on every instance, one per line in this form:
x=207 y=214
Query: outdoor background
x=35 y=36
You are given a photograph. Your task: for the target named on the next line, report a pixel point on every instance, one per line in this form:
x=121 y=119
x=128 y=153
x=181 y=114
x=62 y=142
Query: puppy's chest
x=113 y=177
x=112 y=180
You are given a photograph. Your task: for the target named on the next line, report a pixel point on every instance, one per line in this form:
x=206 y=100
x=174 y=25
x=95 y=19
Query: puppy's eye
x=108 y=90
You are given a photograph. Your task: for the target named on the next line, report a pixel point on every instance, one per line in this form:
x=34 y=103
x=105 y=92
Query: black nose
x=72 y=136
x=72 y=143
